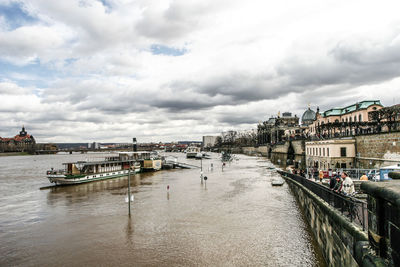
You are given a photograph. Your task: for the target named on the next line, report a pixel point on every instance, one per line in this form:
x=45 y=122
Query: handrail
x=353 y=208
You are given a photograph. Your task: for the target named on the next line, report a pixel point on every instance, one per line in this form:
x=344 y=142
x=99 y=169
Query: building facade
x=23 y=142
x=209 y=141
x=279 y=129
x=347 y=121
x=331 y=154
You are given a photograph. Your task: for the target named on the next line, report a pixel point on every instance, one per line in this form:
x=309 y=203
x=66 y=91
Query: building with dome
x=22 y=142
x=279 y=129
x=308 y=117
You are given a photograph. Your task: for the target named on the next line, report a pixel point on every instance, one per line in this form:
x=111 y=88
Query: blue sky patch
x=157 y=49
x=34 y=74
x=15 y=15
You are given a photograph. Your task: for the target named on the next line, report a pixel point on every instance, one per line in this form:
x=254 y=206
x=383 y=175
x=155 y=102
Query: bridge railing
x=352 y=208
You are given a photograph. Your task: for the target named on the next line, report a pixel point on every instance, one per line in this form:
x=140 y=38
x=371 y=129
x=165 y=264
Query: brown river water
x=236 y=219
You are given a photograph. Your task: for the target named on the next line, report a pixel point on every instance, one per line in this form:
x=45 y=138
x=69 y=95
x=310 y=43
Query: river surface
x=236 y=219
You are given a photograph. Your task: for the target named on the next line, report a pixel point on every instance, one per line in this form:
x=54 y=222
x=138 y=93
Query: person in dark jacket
x=332 y=181
x=339 y=184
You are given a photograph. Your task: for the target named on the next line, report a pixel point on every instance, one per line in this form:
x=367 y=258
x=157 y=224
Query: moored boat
x=277 y=182
x=111 y=167
x=192 y=151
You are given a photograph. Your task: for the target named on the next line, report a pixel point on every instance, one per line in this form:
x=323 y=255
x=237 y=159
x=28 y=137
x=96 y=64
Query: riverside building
x=330 y=154
x=279 y=129
x=347 y=121
x=23 y=142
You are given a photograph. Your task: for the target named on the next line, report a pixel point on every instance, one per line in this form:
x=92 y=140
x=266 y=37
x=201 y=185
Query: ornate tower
x=23 y=132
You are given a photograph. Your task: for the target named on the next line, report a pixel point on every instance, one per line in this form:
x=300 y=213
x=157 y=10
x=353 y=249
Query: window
x=320 y=151
x=343 y=152
x=355 y=118
x=327 y=151
x=359 y=117
x=323 y=151
x=350 y=119
x=313 y=151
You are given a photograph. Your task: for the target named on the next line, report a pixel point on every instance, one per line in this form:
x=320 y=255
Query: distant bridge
x=80 y=150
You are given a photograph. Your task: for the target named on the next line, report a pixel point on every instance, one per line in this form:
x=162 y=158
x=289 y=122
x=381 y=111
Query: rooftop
x=345 y=110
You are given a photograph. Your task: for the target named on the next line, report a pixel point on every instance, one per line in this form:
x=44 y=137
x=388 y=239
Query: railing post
x=351 y=210
x=341 y=205
x=363 y=216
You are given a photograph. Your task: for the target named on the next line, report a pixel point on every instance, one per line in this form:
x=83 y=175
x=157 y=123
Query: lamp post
x=134 y=144
x=129 y=190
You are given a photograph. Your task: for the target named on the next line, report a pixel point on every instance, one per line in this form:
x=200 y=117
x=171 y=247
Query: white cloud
x=243 y=61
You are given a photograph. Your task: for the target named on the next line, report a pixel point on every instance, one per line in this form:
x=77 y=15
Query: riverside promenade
x=352 y=232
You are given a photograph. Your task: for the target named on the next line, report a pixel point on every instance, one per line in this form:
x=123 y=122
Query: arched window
x=360 y=117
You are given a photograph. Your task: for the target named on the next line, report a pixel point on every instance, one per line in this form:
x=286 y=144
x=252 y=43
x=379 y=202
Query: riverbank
x=7 y=154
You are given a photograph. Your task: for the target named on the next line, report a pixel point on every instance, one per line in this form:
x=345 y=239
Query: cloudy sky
x=109 y=70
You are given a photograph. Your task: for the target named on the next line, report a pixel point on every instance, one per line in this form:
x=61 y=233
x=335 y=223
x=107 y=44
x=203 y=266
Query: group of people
x=342 y=184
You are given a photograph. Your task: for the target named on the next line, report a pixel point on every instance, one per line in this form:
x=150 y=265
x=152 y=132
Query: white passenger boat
x=111 y=167
x=192 y=151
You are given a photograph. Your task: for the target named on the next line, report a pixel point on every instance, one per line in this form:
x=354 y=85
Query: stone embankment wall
x=378 y=146
x=283 y=148
x=340 y=240
x=298 y=147
x=384 y=219
x=263 y=150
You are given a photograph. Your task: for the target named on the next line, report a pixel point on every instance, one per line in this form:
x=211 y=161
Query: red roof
x=17 y=138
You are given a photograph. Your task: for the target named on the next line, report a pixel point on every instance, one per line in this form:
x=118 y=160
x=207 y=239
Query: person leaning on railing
x=338 y=185
x=347 y=185
x=332 y=181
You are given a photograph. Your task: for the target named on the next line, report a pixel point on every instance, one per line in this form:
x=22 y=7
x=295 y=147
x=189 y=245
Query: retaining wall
x=341 y=241
x=384 y=219
x=263 y=150
x=378 y=146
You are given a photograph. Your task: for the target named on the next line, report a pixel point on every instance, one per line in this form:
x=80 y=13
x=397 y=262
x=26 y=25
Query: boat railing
x=52 y=171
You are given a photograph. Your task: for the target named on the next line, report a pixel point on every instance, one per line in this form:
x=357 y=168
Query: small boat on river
x=111 y=167
x=192 y=152
x=277 y=182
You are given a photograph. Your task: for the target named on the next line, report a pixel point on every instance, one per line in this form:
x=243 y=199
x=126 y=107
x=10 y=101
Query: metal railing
x=350 y=207
x=355 y=174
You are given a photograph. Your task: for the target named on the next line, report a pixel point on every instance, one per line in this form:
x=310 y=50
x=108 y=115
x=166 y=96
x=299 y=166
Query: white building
x=209 y=141
x=331 y=153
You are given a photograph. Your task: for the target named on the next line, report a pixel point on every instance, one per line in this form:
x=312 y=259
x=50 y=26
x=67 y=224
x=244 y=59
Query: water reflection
x=129 y=230
x=84 y=192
